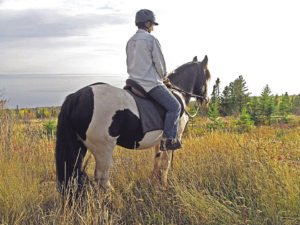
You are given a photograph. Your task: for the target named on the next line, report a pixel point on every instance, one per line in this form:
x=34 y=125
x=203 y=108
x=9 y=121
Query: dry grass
x=218 y=178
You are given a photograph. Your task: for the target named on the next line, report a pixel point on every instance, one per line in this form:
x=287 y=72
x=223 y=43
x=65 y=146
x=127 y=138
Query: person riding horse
x=100 y=116
x=146 y=66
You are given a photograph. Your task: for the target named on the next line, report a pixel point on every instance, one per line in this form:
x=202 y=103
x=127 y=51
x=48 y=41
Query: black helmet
x=145 y=15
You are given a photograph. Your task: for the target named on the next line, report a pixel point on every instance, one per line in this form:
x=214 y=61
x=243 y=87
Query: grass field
x=219 y=177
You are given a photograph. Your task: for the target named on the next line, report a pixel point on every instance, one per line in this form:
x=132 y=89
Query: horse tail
x=69 y=151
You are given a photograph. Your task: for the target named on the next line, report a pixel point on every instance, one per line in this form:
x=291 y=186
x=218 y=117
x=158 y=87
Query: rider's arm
x=158 y=59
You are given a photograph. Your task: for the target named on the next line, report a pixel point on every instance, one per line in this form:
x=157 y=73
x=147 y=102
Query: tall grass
x=219 y=177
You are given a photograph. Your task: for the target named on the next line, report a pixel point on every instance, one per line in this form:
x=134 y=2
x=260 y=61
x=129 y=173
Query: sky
x=258 y=39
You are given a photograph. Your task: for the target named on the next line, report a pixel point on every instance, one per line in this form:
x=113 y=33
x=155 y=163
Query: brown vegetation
x=219 y=177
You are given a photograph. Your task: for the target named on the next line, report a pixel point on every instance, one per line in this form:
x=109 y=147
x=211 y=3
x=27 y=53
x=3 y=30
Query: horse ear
x=195 y=59
x=205 y=60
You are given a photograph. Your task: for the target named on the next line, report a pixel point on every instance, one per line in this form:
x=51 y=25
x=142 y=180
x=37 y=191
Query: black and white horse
x=99 y=117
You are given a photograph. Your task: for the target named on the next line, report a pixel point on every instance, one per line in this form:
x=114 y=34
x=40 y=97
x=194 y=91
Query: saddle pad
x=152 y=115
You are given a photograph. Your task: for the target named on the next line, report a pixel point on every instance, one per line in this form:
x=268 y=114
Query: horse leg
x=103 y=157
x=156 y=173
x=163 y=159
x=165 y=166
x=162 y=164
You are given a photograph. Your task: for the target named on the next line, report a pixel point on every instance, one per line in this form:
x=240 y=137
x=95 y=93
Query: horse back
x=115 y=117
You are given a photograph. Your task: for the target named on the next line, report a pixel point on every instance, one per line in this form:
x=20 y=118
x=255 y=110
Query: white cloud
x=49 y=23
x=51 y=41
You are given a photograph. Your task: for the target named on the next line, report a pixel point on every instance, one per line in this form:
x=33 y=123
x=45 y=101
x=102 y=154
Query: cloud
x=107 y=7
x=48 y=40
x=50 y=23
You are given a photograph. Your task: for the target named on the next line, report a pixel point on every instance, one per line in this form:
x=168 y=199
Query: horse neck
x=187 y=81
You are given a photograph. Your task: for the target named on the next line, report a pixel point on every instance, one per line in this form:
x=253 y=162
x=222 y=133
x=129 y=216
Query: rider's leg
x=167 y=100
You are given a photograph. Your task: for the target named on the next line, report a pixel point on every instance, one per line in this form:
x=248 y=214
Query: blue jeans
x=167 y=100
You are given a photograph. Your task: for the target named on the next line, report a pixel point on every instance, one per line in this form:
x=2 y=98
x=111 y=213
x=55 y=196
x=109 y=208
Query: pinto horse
x=99 y=117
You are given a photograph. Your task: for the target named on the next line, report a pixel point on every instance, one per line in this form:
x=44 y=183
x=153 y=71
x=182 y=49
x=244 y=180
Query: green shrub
x=244 y=122
x=50 y=127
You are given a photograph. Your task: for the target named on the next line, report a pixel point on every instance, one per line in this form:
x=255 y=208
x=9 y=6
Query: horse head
x=192 y=78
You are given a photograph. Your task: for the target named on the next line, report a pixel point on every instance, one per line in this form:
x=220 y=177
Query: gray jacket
x=145 y=61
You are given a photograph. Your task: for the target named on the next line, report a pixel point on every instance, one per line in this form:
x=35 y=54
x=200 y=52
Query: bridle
x=173 y=87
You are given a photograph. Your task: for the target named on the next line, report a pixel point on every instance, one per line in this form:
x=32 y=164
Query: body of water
x=40 y=90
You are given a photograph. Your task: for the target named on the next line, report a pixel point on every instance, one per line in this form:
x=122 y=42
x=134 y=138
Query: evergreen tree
x=214 y=108
x=296 y=105
x=285 y=105
x=244 y=123
x=215 y=95
x=213 y=111
x=214 y=116
x=276 y=104
x=225 y=102
x=234 y=97
x=253 y=109
x=266 y=105
x=241 y=93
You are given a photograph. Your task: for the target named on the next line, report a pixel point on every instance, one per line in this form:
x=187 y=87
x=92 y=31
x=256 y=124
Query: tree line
x=235 y=100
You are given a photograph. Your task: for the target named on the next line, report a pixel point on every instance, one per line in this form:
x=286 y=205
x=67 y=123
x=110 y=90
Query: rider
x=146 y=66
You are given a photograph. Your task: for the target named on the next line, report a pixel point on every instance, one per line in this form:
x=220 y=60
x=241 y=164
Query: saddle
x=135 y=88
x=152 y=114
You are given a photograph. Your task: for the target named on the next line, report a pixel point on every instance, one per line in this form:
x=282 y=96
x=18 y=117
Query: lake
x=38 y=90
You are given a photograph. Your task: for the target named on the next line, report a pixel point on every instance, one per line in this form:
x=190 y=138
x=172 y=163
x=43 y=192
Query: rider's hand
x=167 y=82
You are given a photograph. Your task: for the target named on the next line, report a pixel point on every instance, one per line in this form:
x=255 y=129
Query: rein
x=195 y=114
x=185 y=92
x=168 y=83
x=171 y=86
